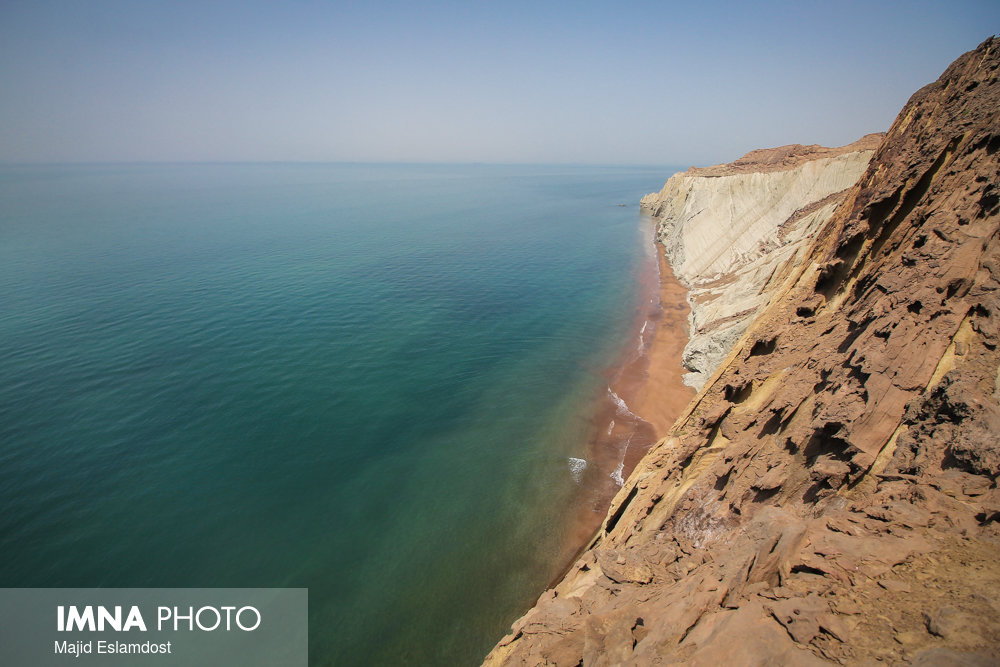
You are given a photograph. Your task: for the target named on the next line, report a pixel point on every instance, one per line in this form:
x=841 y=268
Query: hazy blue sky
x=511 y=81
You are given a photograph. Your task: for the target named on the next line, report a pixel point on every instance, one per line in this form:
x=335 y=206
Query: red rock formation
x=831 y=493
x=782 y=158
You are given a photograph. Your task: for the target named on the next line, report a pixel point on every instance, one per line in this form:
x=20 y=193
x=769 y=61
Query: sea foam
x=576 y=468
x=617 y=474
x=622 y=406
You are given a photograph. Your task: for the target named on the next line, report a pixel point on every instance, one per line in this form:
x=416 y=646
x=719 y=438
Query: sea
x=376 y=381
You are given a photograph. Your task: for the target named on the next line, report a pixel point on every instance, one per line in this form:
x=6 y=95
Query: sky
x=691 y=83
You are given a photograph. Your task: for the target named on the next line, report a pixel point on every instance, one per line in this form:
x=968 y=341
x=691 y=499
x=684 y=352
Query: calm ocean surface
x=366 y=380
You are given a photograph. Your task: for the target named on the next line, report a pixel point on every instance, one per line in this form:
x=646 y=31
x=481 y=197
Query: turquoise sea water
x=362 y=379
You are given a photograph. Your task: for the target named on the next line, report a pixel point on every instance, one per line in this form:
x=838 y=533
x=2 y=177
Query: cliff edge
x=729 y=229
x=830 y=495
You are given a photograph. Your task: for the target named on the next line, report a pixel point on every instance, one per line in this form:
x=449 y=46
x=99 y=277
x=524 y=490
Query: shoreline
x=645 y=394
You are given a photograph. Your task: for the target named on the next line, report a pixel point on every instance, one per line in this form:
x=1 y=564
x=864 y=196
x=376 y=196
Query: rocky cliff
x=830 y=495
x=728 y=229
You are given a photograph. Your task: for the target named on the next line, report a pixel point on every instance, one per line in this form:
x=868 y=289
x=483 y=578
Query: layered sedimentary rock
x=729 y=229
x=831 y=494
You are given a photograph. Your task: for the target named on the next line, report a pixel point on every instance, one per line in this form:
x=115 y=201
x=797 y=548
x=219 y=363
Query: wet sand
x=645 y=396
x=662 y=396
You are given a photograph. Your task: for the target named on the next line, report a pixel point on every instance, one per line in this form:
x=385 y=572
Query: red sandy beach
x=645 y=394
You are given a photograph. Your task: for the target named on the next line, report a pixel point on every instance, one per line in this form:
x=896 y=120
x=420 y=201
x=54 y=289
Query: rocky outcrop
x=831 y=494
x=729 y=230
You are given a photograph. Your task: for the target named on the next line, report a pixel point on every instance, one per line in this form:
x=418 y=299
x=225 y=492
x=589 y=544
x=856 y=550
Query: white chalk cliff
x=729 y=230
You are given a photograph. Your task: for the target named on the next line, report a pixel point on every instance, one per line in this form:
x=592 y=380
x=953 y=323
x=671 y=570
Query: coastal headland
x=830 y=495
x=730 y=231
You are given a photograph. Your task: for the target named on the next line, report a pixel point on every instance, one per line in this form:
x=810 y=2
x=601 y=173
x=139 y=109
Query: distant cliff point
x=731 y=232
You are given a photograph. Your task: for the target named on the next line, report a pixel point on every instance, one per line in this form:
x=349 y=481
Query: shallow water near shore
x=374 y=381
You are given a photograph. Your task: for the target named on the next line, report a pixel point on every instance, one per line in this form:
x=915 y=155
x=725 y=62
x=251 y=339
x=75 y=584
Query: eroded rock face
x=729 y=230
x=831 y=495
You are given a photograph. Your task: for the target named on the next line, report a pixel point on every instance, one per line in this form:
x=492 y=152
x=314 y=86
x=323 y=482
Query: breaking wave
x=576 y=468
x=622 y=406
x=617 y=474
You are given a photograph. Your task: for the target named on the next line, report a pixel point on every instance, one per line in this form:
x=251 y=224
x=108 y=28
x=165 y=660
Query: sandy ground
x=648 y=382
x=661 y=396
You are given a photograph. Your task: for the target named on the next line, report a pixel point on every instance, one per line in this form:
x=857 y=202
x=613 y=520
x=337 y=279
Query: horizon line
x=43 y=163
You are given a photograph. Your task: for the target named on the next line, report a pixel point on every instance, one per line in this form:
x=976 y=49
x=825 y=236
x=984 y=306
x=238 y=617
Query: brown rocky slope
x=830 y=495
